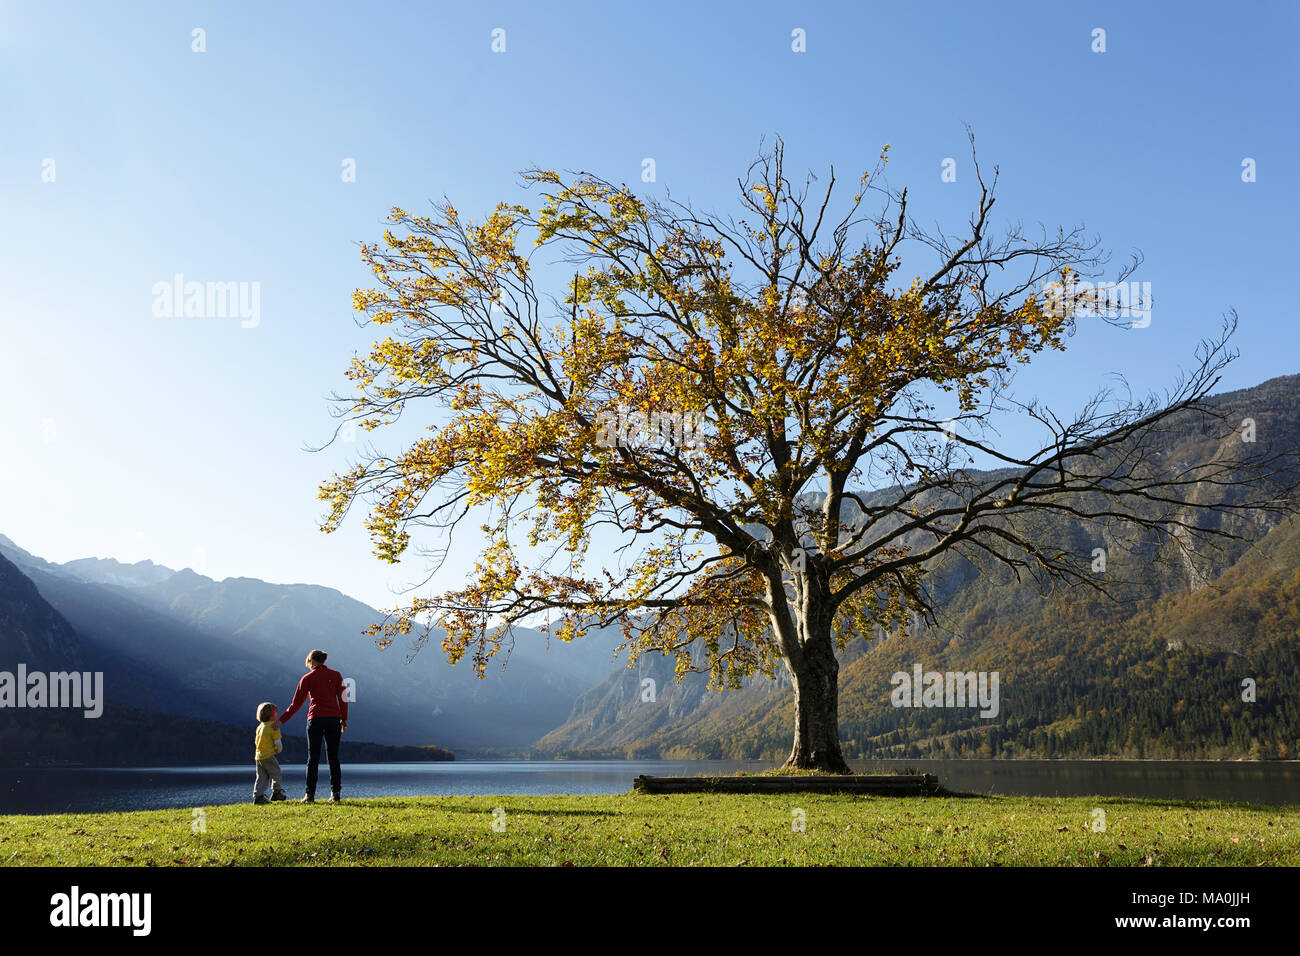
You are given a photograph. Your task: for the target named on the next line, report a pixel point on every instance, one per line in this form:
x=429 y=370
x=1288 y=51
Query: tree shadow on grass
x=964 y=794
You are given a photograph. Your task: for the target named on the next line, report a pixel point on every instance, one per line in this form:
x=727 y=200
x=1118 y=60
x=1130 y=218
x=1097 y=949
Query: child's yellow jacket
x=268 y=733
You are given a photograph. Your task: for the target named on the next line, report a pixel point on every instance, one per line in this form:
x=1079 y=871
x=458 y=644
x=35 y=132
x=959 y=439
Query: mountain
x=92 y=570
x=180 y=642
x=23 y=559
x=36 y=636
x=109 y=571
x=643 y=712
x=30 y=630
x=1158 y=673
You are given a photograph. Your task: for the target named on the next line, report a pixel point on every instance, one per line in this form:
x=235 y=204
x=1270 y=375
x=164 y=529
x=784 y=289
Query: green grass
x=679 y=829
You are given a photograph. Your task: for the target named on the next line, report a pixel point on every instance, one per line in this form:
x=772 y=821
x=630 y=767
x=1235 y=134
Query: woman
x=327 y=718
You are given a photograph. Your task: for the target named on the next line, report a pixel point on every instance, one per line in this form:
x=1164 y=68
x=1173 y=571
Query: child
x=268 y=744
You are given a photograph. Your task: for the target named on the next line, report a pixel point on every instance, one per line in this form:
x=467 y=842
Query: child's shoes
x=260 y=798
x=278 y=795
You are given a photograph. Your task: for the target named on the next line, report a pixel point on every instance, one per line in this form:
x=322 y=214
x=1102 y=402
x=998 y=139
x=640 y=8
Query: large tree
x=774 y=432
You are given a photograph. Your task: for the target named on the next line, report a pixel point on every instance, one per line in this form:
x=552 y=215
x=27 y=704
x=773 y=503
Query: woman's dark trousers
x=328 y=729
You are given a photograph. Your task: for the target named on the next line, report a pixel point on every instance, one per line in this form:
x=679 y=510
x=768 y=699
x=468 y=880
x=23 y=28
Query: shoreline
x=9 y=768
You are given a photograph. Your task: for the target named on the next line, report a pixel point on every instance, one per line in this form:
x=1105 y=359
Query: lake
x=65 y=790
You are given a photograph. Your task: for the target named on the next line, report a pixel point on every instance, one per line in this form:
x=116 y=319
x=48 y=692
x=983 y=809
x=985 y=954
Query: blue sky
x=128 y=435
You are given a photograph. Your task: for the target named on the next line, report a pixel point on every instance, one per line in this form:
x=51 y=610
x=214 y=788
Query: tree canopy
x=752 y=407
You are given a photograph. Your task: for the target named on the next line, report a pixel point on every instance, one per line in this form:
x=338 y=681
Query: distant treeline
x=1127 y=688
x=1180 y=704
x=126 y=736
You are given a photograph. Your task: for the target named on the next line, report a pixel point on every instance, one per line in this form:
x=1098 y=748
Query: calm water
x=72 y=790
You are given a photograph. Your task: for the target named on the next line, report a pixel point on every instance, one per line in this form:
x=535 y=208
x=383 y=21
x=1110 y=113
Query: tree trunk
x=815 y=674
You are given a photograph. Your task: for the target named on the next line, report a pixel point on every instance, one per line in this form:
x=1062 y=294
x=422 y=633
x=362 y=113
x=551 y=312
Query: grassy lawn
x=680 y=829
